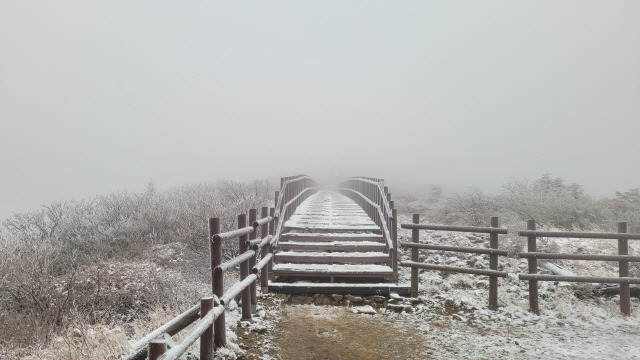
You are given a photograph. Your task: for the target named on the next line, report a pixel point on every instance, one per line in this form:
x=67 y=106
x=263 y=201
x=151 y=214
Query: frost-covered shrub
x=95 y=258
x=549 y=201
x=472 y=208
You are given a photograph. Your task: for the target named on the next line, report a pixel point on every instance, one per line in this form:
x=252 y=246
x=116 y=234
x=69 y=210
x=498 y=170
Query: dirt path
x=329 y=332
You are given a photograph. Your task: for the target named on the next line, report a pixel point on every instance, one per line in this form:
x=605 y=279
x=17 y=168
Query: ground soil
x=309 y=332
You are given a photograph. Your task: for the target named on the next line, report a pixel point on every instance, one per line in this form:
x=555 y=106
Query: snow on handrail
x=380 y=185
x=233 y=234
x=385 y=228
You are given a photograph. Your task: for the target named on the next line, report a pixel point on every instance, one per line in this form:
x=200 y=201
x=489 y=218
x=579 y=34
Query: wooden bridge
x=331 y=245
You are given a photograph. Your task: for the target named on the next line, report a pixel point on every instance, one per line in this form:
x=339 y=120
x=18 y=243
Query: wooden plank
x=329 y=237
x=331 y=270
x=333 y=246
x=339 y=288
x=332 y=258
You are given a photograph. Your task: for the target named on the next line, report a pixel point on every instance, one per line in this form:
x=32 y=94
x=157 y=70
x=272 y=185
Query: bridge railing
x=211 y=328
x=371 y=194
x=492 y=251
x=622 y=258
x=293 y=191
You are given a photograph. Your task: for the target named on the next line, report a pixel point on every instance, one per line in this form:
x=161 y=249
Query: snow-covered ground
x=453 y=312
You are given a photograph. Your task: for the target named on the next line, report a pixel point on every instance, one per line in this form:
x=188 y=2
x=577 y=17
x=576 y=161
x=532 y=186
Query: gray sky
x=104 y=96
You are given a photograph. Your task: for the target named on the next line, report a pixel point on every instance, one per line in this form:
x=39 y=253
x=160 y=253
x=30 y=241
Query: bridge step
x=332 y=228
x=335 y=270
x=339 y=288
x=332 y=257
x=332 y=246
x=328 y=237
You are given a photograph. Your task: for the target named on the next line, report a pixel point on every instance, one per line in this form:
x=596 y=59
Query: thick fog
x=100 y=97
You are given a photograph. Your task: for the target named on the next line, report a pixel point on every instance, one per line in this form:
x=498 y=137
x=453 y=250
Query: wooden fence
x=208 y=315
x=623 y=258
x=492 y=251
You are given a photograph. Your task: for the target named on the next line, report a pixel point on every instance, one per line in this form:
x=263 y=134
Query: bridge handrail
x=385 y=228
x=293 y=191
x=380 y=185
x=286 y=213
x=290 y=187
x=376 y=194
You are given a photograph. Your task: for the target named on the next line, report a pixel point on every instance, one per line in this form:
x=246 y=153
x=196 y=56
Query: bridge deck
x=330 y=238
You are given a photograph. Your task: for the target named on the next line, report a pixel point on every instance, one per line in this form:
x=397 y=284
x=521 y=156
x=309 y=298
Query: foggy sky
x=104 y=96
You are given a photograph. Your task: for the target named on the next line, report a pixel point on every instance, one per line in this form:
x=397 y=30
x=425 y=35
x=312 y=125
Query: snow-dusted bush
x=105 y=258
x=548 y=200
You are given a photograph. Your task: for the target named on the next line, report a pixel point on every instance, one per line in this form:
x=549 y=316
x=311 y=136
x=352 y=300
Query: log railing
x=293 y=191
x=532 y=255
x=374 y=198
x=493 y=230
x=623 y=259
x=209 y=316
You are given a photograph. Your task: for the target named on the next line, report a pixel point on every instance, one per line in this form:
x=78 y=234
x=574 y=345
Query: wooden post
x=533 y=269
x=157 y=348
x=217 y=281
x=272 y=229
x=244 y=270
x=415 y=237
x=493 y=265
x=253 y=216
x=264 y=279
x=394 y=235
x=623 y=271
x=206 y=339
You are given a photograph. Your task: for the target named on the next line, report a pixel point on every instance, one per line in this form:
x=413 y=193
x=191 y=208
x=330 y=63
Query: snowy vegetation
x=548 y=200
x=110 y=260
x=80 y=279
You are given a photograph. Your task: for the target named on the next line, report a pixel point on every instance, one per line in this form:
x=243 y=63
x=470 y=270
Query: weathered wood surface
x=330 y=236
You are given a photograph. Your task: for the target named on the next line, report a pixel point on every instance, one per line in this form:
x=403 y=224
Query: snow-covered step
x=335 y=270
x=331 y=227
x=328 y=237
x=328 y=211
x=369 y=257
x=308 y=287
x=332 y=246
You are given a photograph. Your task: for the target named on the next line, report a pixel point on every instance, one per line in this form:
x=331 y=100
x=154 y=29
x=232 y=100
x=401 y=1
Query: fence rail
x=492 y=251
x=209 y=314
x=532 y=255
x=623 y=259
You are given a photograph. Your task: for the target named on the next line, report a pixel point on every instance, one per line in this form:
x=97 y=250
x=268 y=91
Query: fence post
x=272 y=229
x=415 y=237
x=264 y=280
x=244 y=270
x=253 y=216
x=493 y=265
x=394 y=235
x=206 y=339
x=623 y=271
x=157 y=348
x=217 y=281
x=533 y=269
